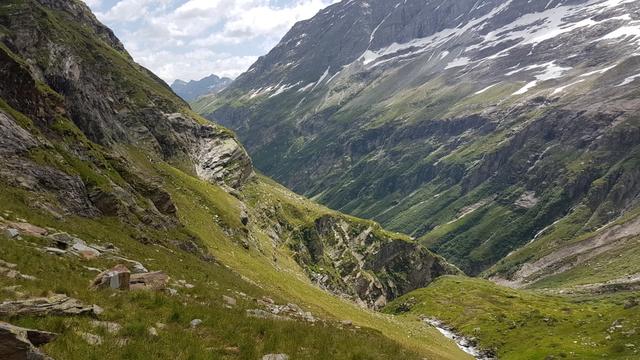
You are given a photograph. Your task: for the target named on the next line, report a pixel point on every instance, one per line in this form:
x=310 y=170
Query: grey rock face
x=15 y=139
x=17 y=343
x=372 y=267
x=59 y=305
x=95 y=94
x=217 y=156
x=223 y=161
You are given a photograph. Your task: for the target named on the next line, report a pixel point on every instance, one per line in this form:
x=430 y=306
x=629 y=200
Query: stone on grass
x=55 y=251
x=195 y=323
x=229 y=300
x=275 y=357
x=138 y=268
x=61 y=240
x=29 y=229
x=111 y=327
x=84 y=250
x=54 y=305
x=156 y=280
x=232 y=350
x=91 y=339
x=117 y=277
x=152 y=331
x=11 y=233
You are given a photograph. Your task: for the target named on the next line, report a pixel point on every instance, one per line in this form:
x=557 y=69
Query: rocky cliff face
x=66 y=76
x=353 y=258
x=472 y=125
x=78 y=116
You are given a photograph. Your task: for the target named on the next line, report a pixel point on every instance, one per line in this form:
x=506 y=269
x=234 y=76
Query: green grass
x=222 y=328
x=274 y=269
x=528 y=325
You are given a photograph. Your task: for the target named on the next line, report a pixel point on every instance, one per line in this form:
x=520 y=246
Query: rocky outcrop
x=59 y=305
x=120 y=278
x=360 y=261
x=60 y=95
x=156 y=281
x=17 y=343
x=223 y=161
x=117 y=278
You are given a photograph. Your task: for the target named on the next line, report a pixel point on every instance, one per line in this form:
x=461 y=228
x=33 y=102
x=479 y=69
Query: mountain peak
x=196 y=88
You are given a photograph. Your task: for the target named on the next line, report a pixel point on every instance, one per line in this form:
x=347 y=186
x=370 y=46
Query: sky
x=191 y=39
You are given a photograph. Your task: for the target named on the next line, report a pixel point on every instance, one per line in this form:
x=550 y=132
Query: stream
x=463 y=343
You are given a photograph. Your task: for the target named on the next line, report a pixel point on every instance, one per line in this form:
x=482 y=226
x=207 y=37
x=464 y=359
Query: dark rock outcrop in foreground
x=18 y=343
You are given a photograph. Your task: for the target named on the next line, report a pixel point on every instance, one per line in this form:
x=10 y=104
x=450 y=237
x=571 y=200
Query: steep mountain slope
x=96 y=146
x=194 y=89
x=475 y=126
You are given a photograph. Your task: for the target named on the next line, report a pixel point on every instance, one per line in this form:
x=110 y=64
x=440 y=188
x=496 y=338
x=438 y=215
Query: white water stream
x=463 y=343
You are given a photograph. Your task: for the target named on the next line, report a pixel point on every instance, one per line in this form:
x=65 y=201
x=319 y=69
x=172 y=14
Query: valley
x=463 y=175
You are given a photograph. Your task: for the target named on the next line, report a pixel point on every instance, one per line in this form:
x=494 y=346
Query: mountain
x=108 y=178
x=503 y=135
x=194 y=89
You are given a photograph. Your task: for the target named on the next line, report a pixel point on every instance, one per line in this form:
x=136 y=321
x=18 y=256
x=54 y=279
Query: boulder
x=244 y=217
x=54 y=305
x=275 y=357
x=229 y=300
x=138 y=268
x=156 y=280
x=111 y=327
x=29 y=229
x=11 y=233
x=61 y=240
x=91 y=339
x=84 y=250
x=18 y=343
x=55 y=251
x=117 y=277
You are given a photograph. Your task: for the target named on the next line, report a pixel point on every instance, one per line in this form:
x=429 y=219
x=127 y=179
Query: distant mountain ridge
x=194 y=89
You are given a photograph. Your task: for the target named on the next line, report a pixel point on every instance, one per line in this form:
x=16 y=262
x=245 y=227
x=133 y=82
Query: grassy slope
x=529 y=325
x=136 y=312
x=198 y=202
x=284 y=276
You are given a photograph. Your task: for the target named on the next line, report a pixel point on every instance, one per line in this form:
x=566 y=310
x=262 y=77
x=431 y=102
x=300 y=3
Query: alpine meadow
x=388 y=179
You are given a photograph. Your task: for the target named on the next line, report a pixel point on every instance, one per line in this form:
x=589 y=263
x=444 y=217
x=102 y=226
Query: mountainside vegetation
x=103 y=167
x=475 y=127
x=502 y=137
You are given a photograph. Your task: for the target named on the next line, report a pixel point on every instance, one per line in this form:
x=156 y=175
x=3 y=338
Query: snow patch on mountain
x=458 y=62
x=548 y=71
x=629 y=80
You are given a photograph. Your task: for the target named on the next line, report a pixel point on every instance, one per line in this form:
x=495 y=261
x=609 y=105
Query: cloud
x=190 y=39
